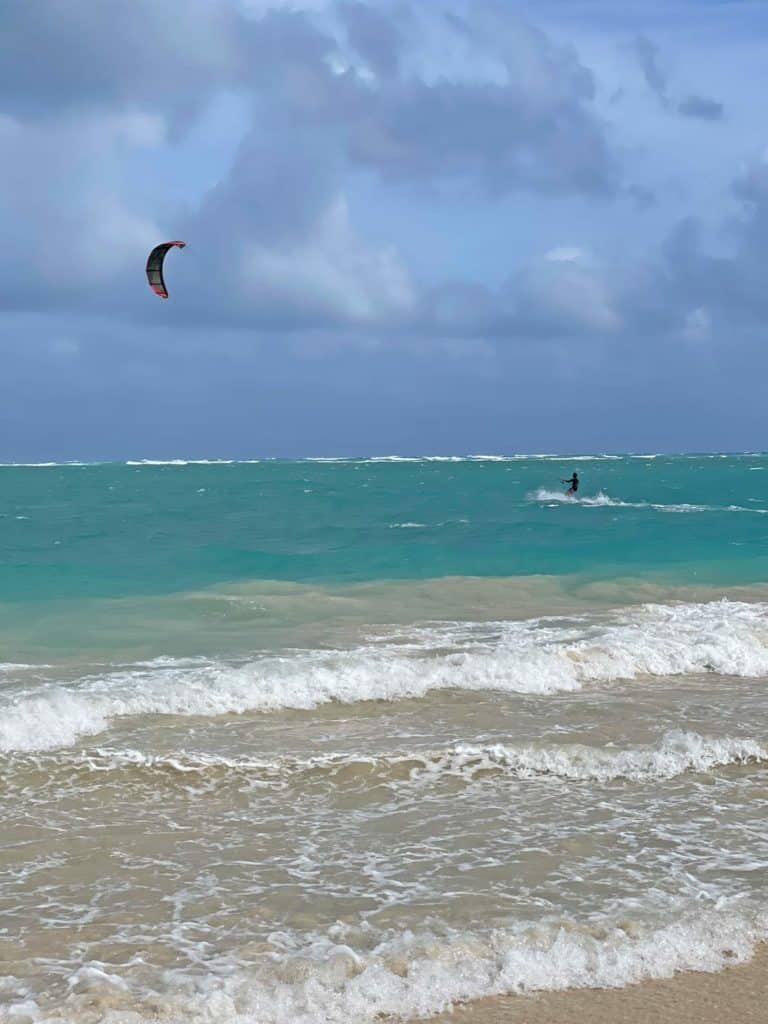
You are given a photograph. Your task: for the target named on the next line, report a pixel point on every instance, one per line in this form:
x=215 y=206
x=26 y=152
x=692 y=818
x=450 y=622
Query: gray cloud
x=374 y=36
x=682 y=292
x=692 y=285
x=485 y=134
x=60 y=55
x=702 y=108
x=643 y=197
x=647 y=55
x=278 y=228
x=561 y=294
x=274 y=242
x=297 y=305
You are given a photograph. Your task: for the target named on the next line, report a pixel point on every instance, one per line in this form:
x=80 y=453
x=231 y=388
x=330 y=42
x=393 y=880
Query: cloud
x=562 y=294
x=687 y=288
x=353 y=90
x=68 y=231
x=521 y=118
x=698 y=325
x=751 y=184
x=702 y=108
x=281 y=217
x=647 y=54
x=694 y=283
x=407 y=196
x=61 y=55
x=484 y=135
x=643 y=197
x=565 y=293
x=374 y=36
x=333 y=275
x=277 y=243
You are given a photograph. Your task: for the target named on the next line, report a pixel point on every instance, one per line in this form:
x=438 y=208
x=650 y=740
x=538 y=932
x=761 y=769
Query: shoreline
x=738 y=993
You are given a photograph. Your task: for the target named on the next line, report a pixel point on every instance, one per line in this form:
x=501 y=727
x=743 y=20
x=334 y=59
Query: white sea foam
x=542 y=494
x=405 y=975
x=411 y=975
x=54 y=719
x=554 y=457
x=551 y=457
x=413 y=458
x=179 y=462
x=518 y=457
x=677 y=752
x=604 y=500
x=42 y=465
x=537 y=656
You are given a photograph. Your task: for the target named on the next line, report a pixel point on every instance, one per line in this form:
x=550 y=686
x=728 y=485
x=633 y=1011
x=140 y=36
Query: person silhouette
x=574 y=482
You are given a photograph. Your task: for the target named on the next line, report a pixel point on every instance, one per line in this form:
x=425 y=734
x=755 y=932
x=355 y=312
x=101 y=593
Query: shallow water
x=412 y=765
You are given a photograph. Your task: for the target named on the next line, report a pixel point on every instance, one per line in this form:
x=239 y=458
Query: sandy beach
x=739 y=993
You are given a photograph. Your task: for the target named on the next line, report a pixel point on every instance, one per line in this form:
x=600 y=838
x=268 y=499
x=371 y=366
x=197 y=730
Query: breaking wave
x=678 y=752
x=537 y=656
x=405 y=975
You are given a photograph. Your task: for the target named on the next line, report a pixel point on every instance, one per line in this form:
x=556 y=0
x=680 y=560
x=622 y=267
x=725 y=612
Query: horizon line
x=138 y=462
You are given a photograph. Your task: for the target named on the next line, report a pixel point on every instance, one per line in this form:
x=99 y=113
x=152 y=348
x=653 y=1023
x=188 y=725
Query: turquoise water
x=114 y=530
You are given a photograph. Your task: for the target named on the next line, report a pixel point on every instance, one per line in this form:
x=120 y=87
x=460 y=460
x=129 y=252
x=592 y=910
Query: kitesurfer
x=574 y=482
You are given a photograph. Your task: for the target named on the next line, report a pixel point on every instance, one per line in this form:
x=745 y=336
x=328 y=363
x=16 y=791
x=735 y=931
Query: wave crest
x=538 y=656
x=407 y=975
x=677 y=753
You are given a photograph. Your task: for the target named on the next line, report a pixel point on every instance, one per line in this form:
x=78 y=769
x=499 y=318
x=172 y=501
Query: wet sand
x=739 y=993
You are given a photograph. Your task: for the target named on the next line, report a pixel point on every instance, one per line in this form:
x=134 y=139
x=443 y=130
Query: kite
x=155 y=262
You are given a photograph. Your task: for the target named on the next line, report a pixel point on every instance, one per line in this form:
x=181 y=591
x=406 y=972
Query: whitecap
x=538 y=656
x=334 y=977
x=678 y=752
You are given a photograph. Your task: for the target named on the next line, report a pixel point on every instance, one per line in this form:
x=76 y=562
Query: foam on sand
x=678 y=752
x=408 y=975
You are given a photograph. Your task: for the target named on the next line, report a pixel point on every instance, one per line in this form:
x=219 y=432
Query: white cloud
x=698 y=325
x=565 y=254
x=566 y=290
x=61 y=200
x=330 y=273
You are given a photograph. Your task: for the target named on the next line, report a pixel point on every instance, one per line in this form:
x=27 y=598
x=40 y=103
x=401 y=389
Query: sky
x=420 y=228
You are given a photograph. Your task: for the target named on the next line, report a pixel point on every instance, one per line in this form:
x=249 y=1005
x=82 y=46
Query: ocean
x=287 y=742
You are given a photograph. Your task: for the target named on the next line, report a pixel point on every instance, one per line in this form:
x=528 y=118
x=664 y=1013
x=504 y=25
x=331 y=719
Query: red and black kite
x=155 y=262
